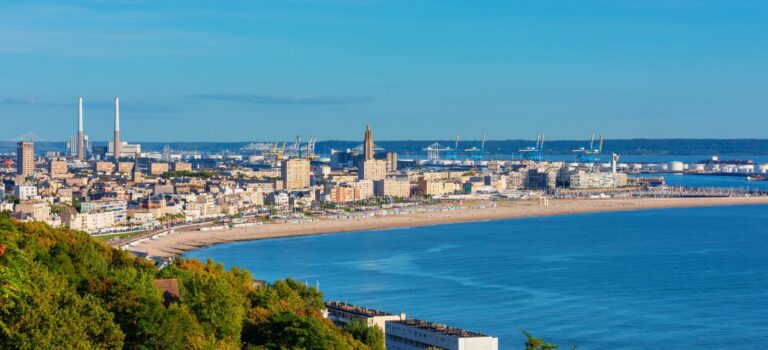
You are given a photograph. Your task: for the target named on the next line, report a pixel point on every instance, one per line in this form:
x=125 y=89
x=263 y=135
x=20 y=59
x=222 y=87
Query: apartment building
x=393 y=187
x=418 y=334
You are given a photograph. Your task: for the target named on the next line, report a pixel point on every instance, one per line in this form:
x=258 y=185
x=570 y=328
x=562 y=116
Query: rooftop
x=170 y=288
x=441 y=328
x=358 y=310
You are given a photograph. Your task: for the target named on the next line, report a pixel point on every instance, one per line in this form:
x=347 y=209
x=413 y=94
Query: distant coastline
x=625 y=147
x=183 y=241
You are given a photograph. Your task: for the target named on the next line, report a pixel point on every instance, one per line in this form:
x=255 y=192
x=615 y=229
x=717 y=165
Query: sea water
x=692 y=278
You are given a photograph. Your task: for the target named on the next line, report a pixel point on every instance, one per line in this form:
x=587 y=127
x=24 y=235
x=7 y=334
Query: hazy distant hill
x=623 y=147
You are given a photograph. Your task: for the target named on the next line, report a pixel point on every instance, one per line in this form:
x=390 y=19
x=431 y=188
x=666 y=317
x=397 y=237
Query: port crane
x=456 y=155
x=433 y=151
x=591 y=154
x=535 y=153
x=276 y=153
x=309 y=148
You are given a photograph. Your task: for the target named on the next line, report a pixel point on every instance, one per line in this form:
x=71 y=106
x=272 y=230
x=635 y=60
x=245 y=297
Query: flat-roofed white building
x=90 y=221
x=119 y=207
x=417 y=334
x=584 y=180
x=6 y=206
x=342 y=313
x=25 y=192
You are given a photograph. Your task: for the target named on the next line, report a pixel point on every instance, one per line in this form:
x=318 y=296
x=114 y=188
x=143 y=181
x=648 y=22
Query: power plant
x=80 y=140
x=118 y=147
x=79 y=145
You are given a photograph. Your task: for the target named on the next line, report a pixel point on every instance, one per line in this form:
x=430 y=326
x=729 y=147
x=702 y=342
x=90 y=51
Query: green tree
x=217 y=298
x=177 y=329
x=47 y=313
x=533 y=343
x=288 y=315
x=76 y=203
x=62 y=289
x=372 y=336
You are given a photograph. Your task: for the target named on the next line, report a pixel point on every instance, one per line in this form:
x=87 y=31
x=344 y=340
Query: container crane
x=535 y=153
x=591 y=154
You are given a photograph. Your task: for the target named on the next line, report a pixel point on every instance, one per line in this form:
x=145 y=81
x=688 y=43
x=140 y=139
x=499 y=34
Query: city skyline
x=467 y=175
x=415 y=70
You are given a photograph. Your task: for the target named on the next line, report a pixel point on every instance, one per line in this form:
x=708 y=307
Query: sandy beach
x=182 y=241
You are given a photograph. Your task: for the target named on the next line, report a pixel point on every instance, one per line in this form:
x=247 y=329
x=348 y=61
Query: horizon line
x=291 y=141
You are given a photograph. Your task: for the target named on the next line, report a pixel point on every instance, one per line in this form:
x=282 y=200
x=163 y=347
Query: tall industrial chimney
x=80 y=141
x=118 y=147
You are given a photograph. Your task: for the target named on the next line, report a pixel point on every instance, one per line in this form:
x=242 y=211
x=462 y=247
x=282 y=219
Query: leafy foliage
x=287 y=315
x=533 y=343
x=61 y=289
x=372 y=336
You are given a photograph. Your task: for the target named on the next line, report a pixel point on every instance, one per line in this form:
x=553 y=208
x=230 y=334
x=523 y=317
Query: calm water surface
x=711 y=181
x=692 y=278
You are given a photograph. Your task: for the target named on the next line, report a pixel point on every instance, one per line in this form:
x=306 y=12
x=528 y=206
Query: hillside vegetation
x=61 y=289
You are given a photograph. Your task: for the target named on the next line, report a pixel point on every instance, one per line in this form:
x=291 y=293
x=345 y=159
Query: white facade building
x=88 y=222
x=120 y=208
x=6 y=206
x=418 y=335
x=342 y=313
x=281 y=199
x=25 y=192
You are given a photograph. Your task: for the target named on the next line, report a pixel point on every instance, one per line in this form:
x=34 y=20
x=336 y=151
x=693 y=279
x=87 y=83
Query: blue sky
x=269 y=70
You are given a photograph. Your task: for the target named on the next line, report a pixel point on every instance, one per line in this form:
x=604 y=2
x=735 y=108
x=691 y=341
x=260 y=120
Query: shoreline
x=183 y=241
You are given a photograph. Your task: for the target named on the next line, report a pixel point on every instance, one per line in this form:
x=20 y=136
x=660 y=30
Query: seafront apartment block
x=413 y=334
x=342 y=313
x=401 y=333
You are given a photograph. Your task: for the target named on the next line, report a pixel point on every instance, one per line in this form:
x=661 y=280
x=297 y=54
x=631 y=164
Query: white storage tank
x=762 y=168
x=676 y=167
x=698 y=167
